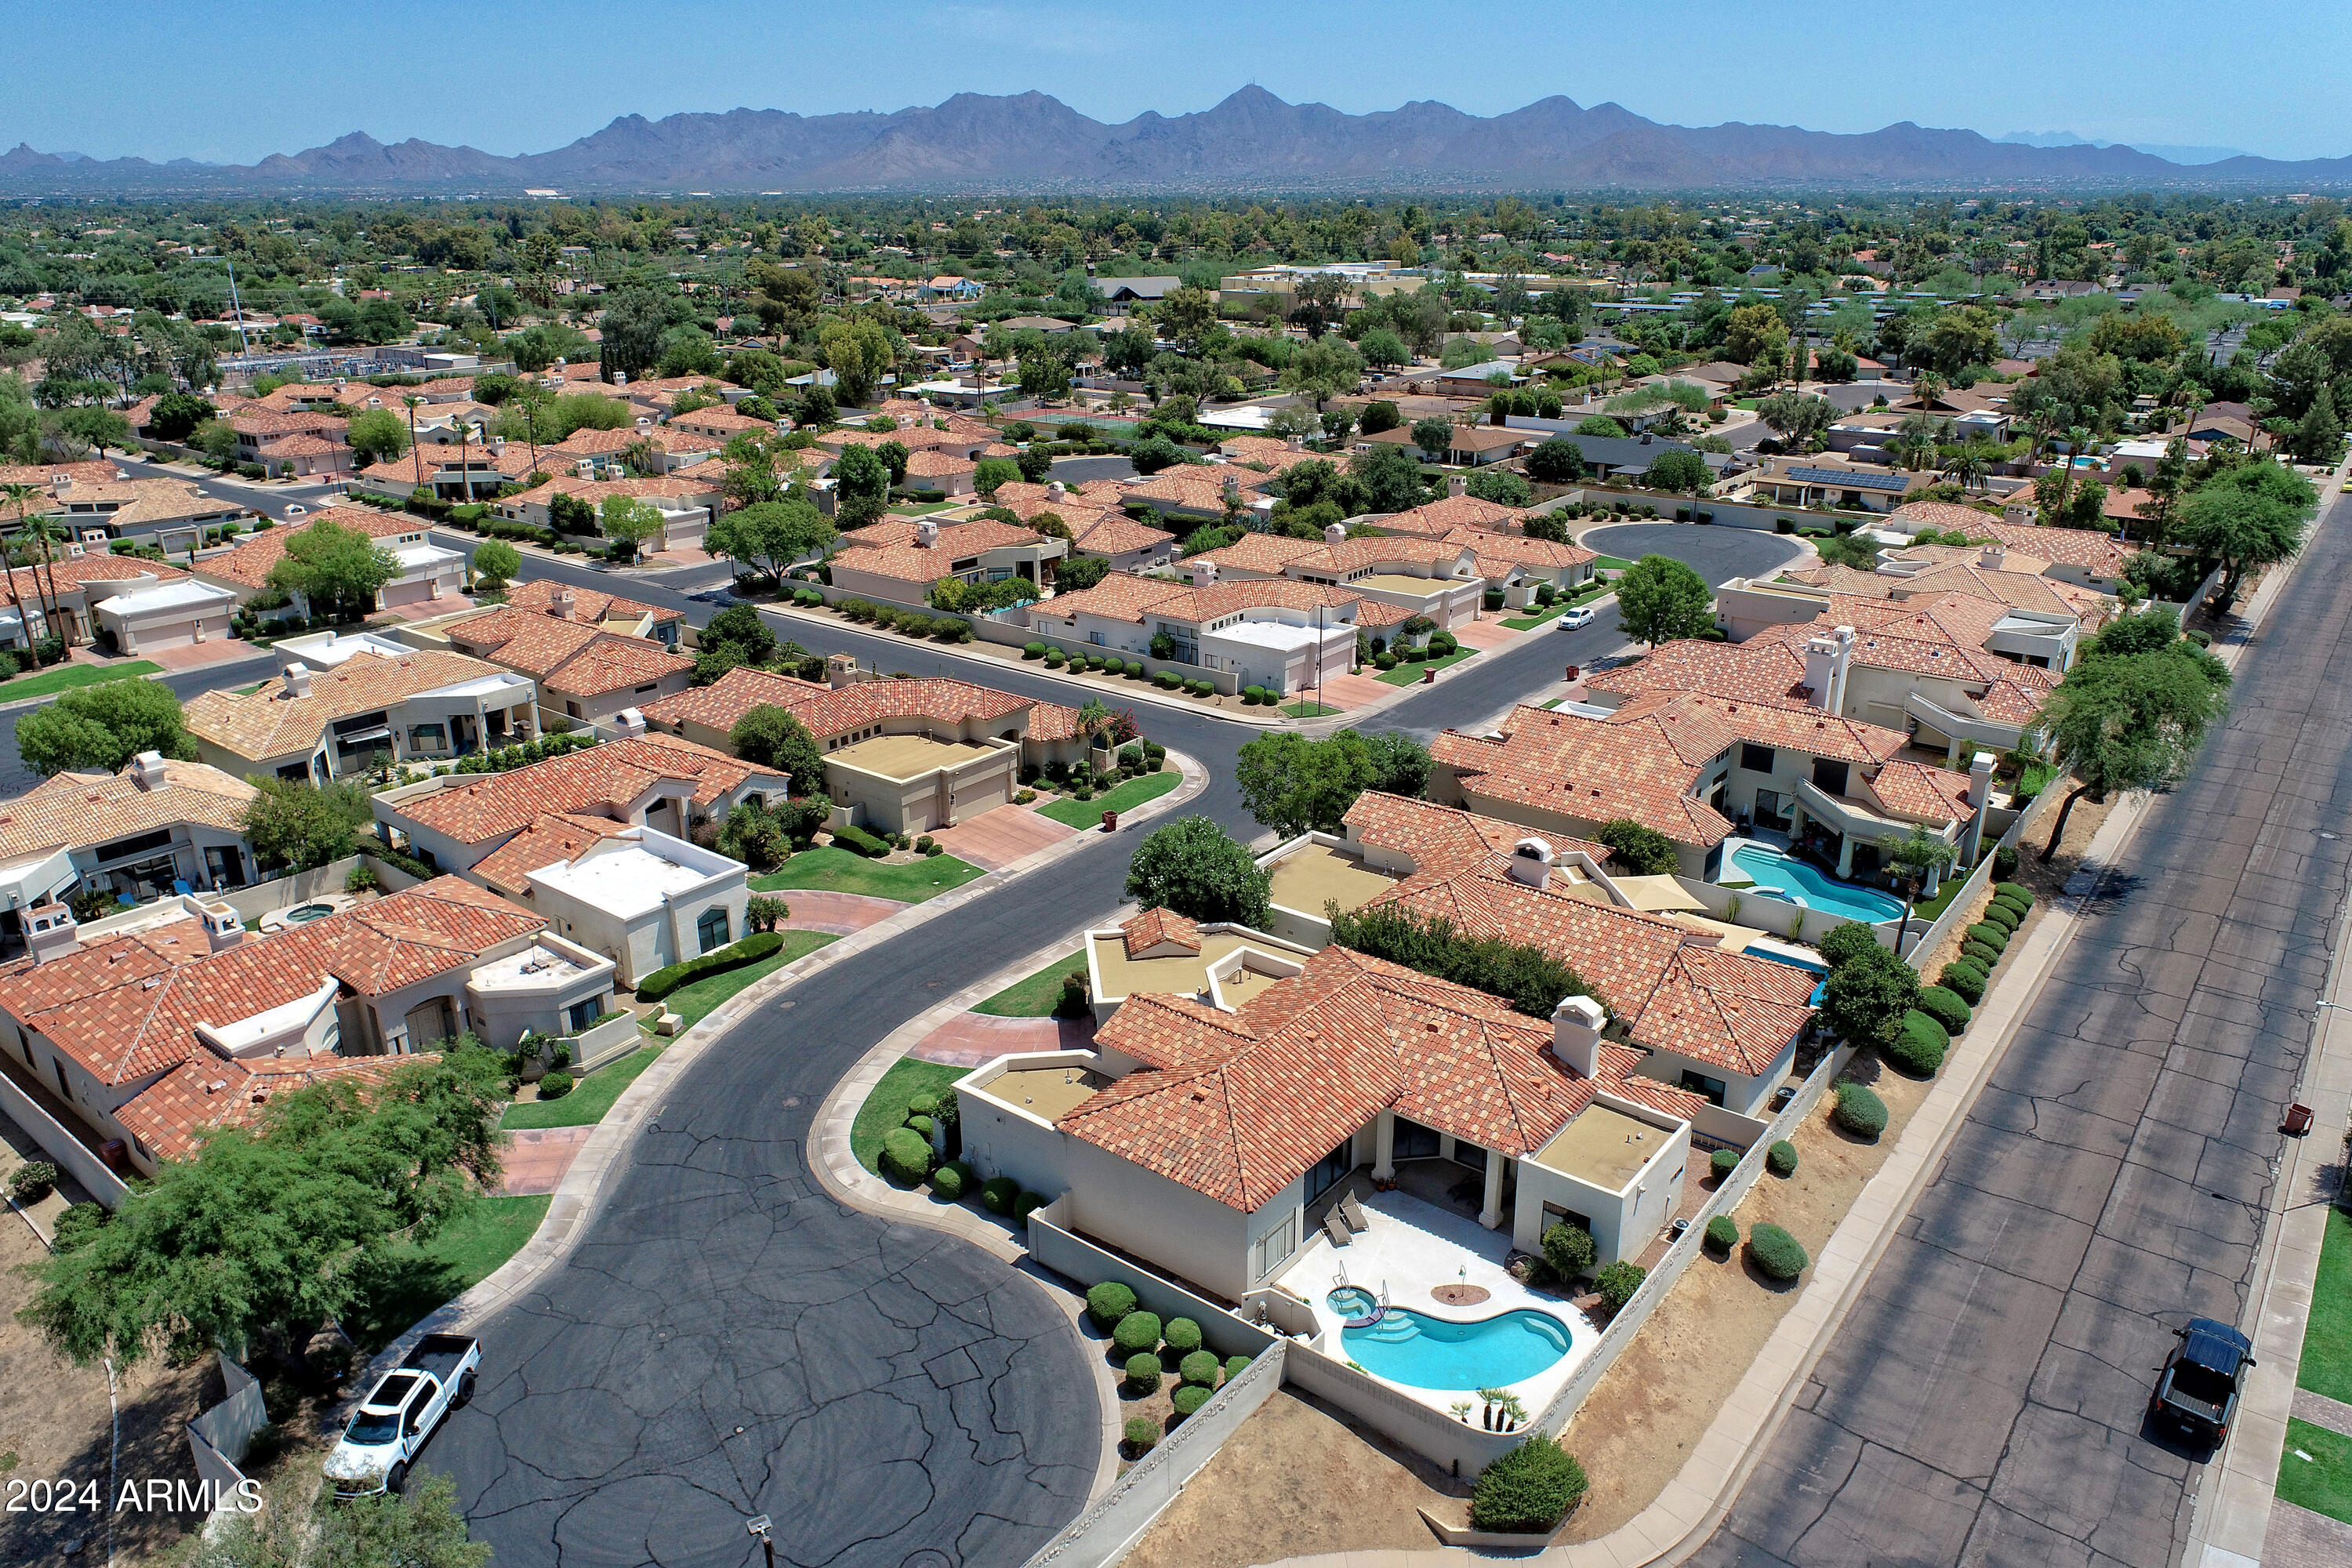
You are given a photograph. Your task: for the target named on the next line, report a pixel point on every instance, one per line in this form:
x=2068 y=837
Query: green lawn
x=1928 y=908
x=886 y=1108
x=923 y=508
x=1310 y=709
x=65 y=676
x=1557 y=608
x=587 y=1103
x=1033 y=997
x=2326 y=1366
x=1611 y=563
x=1409 y=674
x=832 y=870
x=2322 y=1483
x=412 y=1280
x=1126 y=797
x=694 y=1002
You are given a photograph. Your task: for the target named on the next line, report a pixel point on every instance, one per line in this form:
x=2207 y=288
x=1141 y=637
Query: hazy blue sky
x=233 y=81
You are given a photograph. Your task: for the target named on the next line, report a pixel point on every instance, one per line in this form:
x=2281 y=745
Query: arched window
x=711 y=928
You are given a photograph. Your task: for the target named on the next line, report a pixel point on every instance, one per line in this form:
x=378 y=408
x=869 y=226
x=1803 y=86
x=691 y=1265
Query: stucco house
x=1281 y=635
x=319 y=724
x=640 y=897
x=425 y=573
x=584 y=673
x=897 y=561
x=132 y=833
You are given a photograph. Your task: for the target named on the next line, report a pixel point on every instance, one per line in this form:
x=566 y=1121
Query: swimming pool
x=305 y=913
x=1777 y=873
x=1422 y=1351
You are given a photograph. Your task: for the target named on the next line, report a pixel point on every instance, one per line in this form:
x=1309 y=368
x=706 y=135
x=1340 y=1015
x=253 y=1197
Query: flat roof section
x=1317 y=874
x=1601 y=1147
x=906 y=756
x=1051 y=1092
x=1397 y=583
x=1184 y=976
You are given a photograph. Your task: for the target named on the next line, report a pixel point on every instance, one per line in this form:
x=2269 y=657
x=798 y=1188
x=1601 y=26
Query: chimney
x=1646 y=437
x=1203 y=573
x=75 y=552
x=1993 y=556
x=1576 y=1027
x=561 y=606
x=927 y=534
x=1980 y=780
x=497 y=446
x=49 y=932
x=628 y=724
x=840 y=670
x=147 y=770
x=1298 y=443
x=1843 y=639
x=1057 y=491
x=298 y=680
x=1456 y=484
x=1335 y=533
x=223 y=929
x=1531 y=863
x=1232 y=487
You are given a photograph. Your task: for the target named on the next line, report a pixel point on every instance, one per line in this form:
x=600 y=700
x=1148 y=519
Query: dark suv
x=2198 y=1394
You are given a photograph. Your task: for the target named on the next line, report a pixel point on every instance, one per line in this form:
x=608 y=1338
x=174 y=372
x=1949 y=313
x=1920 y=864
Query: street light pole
x=758 y=1527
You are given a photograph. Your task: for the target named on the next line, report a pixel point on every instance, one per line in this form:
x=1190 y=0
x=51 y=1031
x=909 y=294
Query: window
x=1756 y=758
x=710 y=931
x=1330 y=1169
x=643 y=690
x=1699 y=1083
x=580 y=1014
x=1411 y=1141
x=1274 y=1247
x=571 y=709
x=1829 y=776
x=429 y=737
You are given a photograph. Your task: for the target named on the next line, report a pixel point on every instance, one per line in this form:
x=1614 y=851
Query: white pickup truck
x=400 y=1413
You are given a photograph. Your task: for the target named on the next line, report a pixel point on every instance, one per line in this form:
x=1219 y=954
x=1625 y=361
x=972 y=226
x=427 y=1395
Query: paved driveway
x=1984 y=1400
x=995 y=838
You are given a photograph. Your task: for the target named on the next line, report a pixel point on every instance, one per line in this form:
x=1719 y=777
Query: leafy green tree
x=770 y=536
x=1389 y=478
x=274 y=1232
x=1384 y=350
x=334 y=568
x=626 y=520
x=1532 y=979
x=1434 y=435
x=1187 y=317
x=861 y=486
x=1380 y=414
x=1678 y=471
x=1558 y=461
x=176 y=415
x=991 y=473
x=1756 y=336
x=1499 y=486
x=630 y=330
x=2248 y=516
x=496 y=562
x=1660 y=600
x=1866 y=997
x=1637 y=851
x=376 y=435
x=775 y=739
x=1796 y=419
x=297 y=827
x=98 y=729
x=1599 y=425
x=1291 y=784
x=1326 y=367
x=2131 y=721
x=1190 y=867
x=859 y=353
x=1400 y=764
x=93 y=427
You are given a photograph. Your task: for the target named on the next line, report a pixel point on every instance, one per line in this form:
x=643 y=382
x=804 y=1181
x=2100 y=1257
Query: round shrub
x=1235 y=1365
x=556 y=1086
x=1947 y=1007
x=2004 y=861
x=1253 y=695
x=921 y=1124
x=1202 y=688
x=1722 y=1233
x=1617 y=1283
x=1529 y=1490
x=1780 y=1159
x=1032 y=651
x=1964 y=980
x=1568 y=1248
x=2017 y=892
x=905 y=1155
x=1108 y=1302
x=1201 y=1368
x=1055 y=658
x=952 y=1180
x=1981 y=953
x=1142 y=1433
x=33 y=1181
x=2011 y=907
x=998 y=1193
x=1137 y=1331
x=1143 y=1371
x=1166 y=680
x=1919 y=1045
x=1723 y=1162
x=1859 y=1110
x=1182 y=1335
x=1027 y=1205
x=2003 y=916
x=1776 y=1252
x=1385 y=661
x=923 y=1105
x=1992 y=936
x=1189 y=1398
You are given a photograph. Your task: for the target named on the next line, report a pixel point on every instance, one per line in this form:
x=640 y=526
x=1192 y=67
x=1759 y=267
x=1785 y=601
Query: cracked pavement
x=1984 y=1400
x=728 y=1340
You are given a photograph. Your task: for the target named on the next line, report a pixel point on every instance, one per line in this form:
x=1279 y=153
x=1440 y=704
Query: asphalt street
x=727 y=1341
x=1984 y=1400
x=15 y=778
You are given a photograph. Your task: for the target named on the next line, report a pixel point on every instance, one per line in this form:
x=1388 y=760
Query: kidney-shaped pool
x=1422 y=1351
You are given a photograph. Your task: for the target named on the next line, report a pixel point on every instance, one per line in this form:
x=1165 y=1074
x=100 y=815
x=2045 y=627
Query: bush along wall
x=751 y=950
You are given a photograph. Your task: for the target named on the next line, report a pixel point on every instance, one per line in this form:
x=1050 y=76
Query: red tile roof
x=618 y=771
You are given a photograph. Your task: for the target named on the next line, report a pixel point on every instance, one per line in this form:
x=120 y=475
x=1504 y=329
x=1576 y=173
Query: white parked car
x=297 y=510
x=1581 y=615
x=392 y=1423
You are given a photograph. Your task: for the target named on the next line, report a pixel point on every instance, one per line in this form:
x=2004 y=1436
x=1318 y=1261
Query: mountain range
x=2168 y=151
x=1252 y=141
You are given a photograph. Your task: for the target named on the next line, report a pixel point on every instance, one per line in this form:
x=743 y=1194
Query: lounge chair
x=1336 y=1228
x=1353 y=1212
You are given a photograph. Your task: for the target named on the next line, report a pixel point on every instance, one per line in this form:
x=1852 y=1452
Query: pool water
x=1353 y=1302
x=1774 y=872
x=309 y=912
x=1422 y=1351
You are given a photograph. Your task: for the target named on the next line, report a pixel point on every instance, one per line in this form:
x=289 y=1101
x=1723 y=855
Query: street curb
x=584 y=1187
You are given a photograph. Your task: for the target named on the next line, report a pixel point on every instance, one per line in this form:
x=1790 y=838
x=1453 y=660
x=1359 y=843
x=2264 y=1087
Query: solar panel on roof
x=1851 y=480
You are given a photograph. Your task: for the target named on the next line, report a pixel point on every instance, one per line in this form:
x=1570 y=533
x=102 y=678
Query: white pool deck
x=1412 y=1249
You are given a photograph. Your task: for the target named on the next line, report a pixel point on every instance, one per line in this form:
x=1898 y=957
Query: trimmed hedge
x=1136 y=1333
x=751 y=950
x=1200 y=1369
x=1529 y=1490
x=1919 y=1045
x=556 y=1086
x=998 y=1193
x=1235 y=1365
x=1964 y=980
x=2005 y=916
x=1947 y=1007
x=2016 y=890
x=1142 y=1433
x=1991 y=936
x=1779 y=1254
x=849 y=836
x=1723 y=1162
x=1780 y=1159
x=2011 y=907
x=921 y=1124
x=1032 y=651
x=1182 y=1335
x=1189 y=1398
x=1722 y=1233
x=1027 y=1205
x=905 y=1155
x=1143 y=1371
x=952 y=1180
x=1108 y=1302
x=1859 y=1110
x=1982 y=953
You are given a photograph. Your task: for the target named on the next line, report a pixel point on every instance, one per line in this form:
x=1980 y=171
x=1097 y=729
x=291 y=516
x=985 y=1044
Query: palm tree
x=1968 y=468
x=1916 y=441
x=41 y=528
x=22 y=495
x=1916 y=857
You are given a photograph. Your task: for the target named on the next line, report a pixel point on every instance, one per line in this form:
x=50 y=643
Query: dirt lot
x=1297 y=1478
